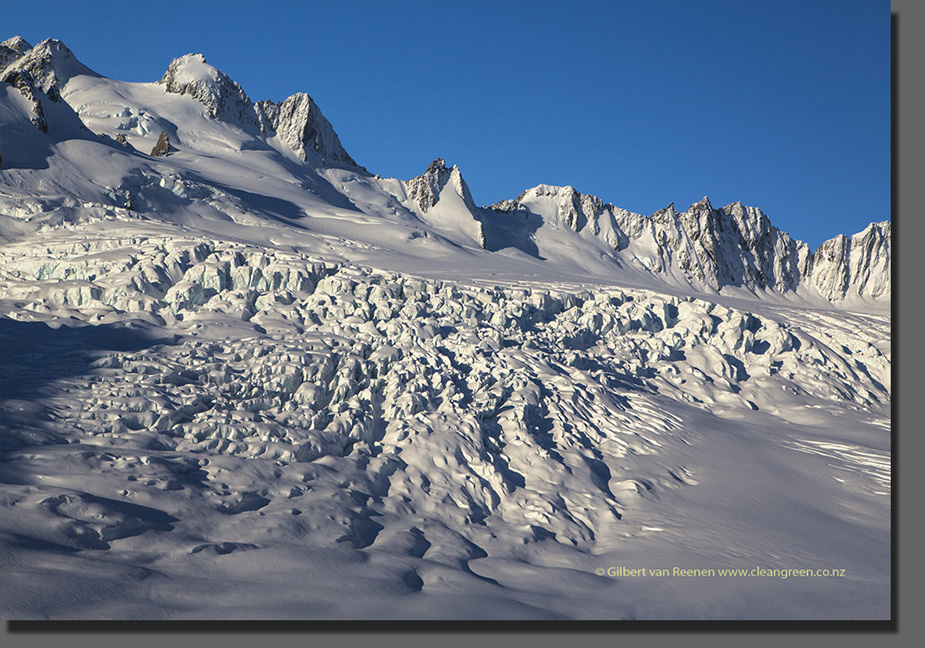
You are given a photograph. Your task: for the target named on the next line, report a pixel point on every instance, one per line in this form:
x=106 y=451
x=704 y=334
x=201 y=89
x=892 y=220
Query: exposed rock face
x=576 y=210
x=223 y=98
x=300 y=125
x=859 y=265
x=457 y=210
x=162 y=148
x=120 y=138
x=734 y=245
x=425 y=189
x=22 y=80
x=11 y=49
x=50 y=64
x=738 y=246
x=297 y=120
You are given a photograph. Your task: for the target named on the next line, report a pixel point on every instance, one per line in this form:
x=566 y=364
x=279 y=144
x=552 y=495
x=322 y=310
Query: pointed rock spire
x=425 y=189
x=300 y=125
x=162 y=148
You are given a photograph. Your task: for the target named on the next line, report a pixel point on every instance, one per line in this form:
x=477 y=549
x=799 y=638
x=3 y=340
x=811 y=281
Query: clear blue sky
x=784 y=105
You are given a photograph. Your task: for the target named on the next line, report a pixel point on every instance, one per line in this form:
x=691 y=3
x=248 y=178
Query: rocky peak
x=859 y=265
x=50 y=64
x=665 y=216
x=300 y=125
x=223 y=98
x=162 y=148
x=425 y=189
x=506 y=206
x=701 y=205
x=750 y=222
x=11 y=49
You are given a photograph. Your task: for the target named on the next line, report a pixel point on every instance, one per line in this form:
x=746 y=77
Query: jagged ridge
x=735 y=245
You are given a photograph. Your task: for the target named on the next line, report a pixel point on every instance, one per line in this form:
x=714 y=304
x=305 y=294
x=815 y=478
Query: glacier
x=250 y=378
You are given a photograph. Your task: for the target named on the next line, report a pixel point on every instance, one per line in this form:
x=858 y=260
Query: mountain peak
x=223 y=98
x=574 y=209
x=11 y=49
x=437 y=166
x=16 y=43
x=425 y=189
x=299 y=123
x=701 y=205
x=50 y=63
x=665 y=215
x=190 y=68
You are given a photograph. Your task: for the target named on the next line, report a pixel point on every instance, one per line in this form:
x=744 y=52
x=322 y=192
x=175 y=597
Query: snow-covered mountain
x=234 y=361
x=703 y=248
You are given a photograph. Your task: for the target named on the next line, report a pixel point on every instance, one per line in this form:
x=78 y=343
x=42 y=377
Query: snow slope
x=251 y=379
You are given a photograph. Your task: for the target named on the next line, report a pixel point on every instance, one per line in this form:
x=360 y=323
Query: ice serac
x=444 y=200
x=223 y=98
x=298 y=122
x=859 y=265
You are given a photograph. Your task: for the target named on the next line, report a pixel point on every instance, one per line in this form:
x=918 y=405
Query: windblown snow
x=250 y=379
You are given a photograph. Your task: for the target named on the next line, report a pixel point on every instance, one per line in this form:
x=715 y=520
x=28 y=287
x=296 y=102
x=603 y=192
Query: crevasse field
x=251 y=379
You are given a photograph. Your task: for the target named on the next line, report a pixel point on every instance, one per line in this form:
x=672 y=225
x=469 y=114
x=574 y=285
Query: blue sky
x=784 y=105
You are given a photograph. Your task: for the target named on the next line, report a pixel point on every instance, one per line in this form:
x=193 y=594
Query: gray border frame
x=908 y=307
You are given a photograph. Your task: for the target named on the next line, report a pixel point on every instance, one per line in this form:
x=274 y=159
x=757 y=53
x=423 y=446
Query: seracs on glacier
x=251 y=370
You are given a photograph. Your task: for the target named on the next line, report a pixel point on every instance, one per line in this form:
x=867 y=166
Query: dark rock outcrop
x=300 y=125
x=11 y=49
x=22 y=80
x=162 y=148
x=223 y=98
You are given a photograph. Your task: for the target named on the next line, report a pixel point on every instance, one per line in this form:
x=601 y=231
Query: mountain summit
x=223 y=98
x=299 y=124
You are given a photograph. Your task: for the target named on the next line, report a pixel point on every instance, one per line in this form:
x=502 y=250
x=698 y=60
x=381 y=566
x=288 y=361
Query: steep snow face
x=442 y=198
x=223 y=98
x=302 y=128
x=859 y=265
